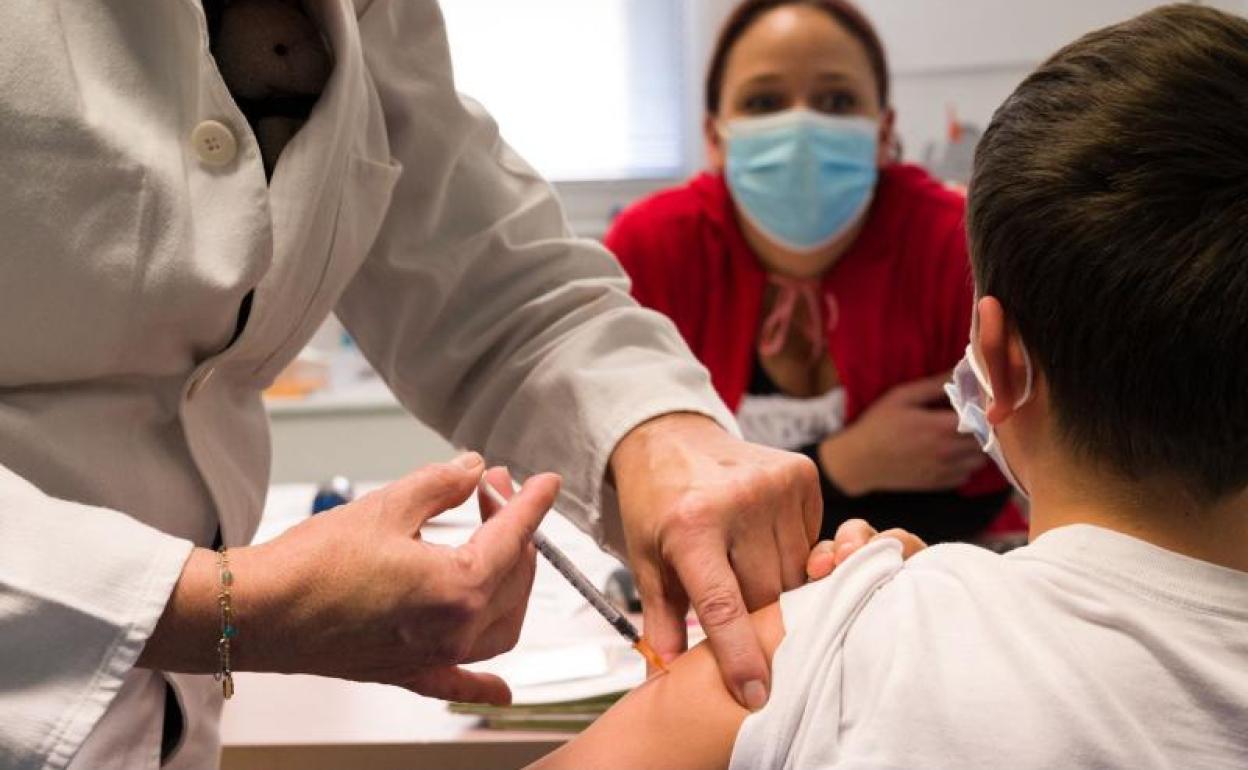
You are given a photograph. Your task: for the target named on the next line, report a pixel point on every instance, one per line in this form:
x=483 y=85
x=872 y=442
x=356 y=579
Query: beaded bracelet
x=228 y=630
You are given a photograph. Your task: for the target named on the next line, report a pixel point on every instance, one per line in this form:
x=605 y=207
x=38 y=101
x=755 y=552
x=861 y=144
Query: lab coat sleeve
x=81 y=589
x=489 y=320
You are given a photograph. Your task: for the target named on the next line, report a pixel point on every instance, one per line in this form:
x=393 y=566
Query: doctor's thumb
x=426 y=492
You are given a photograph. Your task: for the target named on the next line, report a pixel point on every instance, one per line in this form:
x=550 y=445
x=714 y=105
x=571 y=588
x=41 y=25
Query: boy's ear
x=1002 y=355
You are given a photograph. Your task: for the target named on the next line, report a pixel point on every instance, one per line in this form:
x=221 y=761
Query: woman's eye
x=836 y=103
x=759 y=104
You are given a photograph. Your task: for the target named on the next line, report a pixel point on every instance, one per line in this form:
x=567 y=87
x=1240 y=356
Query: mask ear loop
x=987 y=386
x=1018 y=404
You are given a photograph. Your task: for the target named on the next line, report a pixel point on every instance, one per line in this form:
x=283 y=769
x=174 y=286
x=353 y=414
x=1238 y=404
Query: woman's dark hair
x=1108 y=214
x=745 y=14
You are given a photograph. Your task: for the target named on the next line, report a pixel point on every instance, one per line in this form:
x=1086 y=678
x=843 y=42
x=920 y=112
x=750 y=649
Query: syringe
x=584 y=586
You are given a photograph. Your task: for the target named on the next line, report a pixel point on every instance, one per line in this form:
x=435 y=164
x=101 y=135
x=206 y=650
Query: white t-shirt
x=1087 y=648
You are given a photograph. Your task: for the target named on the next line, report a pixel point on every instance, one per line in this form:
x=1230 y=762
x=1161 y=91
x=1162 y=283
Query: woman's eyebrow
x=828 y=76
x=765 y=78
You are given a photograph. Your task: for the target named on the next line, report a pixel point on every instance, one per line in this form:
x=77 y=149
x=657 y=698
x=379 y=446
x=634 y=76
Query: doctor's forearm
x=185 y=638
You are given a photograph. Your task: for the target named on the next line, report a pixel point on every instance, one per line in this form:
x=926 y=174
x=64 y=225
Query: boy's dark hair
x=1109 y=215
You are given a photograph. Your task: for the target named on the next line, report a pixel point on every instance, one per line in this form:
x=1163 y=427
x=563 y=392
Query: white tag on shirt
x=785 y=422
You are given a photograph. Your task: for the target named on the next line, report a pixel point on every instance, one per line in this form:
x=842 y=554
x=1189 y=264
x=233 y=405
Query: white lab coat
x=131 y=427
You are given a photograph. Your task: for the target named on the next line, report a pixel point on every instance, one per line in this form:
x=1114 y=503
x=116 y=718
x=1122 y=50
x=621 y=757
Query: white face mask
x=966 y=390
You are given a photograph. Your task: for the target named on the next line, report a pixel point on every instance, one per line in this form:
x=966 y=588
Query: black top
x=934 y=516
x=278 y=90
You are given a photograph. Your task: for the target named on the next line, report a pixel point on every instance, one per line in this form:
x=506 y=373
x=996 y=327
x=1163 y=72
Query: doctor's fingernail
x=469 y=461
x=755 y=695
x=824 y=547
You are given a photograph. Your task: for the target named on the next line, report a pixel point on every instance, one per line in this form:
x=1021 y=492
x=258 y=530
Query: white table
x=312 y=723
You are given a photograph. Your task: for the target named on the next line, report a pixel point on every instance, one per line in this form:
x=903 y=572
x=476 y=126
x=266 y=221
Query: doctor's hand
x=371 y=601
x=718 y=523
x=907 y=440
x=356 y=593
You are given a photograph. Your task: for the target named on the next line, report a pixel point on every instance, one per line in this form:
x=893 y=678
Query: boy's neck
x=1066 y=493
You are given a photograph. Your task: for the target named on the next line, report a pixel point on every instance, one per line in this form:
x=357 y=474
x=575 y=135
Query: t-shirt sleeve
x=799 y=725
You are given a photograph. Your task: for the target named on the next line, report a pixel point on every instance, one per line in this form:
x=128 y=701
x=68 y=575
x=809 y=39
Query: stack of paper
x=562 y=717
x=560 y=688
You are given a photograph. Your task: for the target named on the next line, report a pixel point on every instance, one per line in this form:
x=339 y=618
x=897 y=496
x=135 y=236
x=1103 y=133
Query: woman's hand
x=902 y=443
x=850 y=536
x=355 y=592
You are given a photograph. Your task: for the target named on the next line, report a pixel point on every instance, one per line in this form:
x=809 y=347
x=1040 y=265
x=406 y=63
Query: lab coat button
x=198 y=383
x=214 y=143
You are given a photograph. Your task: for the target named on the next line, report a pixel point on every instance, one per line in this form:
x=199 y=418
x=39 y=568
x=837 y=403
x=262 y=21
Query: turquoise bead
x=229 y=632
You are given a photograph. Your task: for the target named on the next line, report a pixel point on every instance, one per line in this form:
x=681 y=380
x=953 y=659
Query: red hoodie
x=903 y=288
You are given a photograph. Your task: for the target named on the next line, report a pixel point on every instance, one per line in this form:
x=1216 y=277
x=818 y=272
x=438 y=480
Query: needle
x=584 y=586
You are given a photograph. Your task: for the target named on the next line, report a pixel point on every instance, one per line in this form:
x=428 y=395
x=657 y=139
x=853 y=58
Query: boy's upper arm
x=685 y=719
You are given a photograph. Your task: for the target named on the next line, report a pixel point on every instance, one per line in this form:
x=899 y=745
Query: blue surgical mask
x=801 y=177
x=967 y=390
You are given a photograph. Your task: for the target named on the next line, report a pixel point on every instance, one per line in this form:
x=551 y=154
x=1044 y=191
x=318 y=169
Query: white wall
x=972 y=53
x=968 y=54
x=1234 y=6
x=705 y=17
x=588 y=205
x=964 y=54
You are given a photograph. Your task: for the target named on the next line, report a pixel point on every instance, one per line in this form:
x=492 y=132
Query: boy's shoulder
x=871 y=576
x=1054 y=650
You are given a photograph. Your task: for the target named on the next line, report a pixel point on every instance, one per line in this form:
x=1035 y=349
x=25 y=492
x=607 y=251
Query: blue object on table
x=621 y=589
x=333 y=493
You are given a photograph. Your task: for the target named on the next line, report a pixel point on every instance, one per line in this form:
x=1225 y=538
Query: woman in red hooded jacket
x=825 y=287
